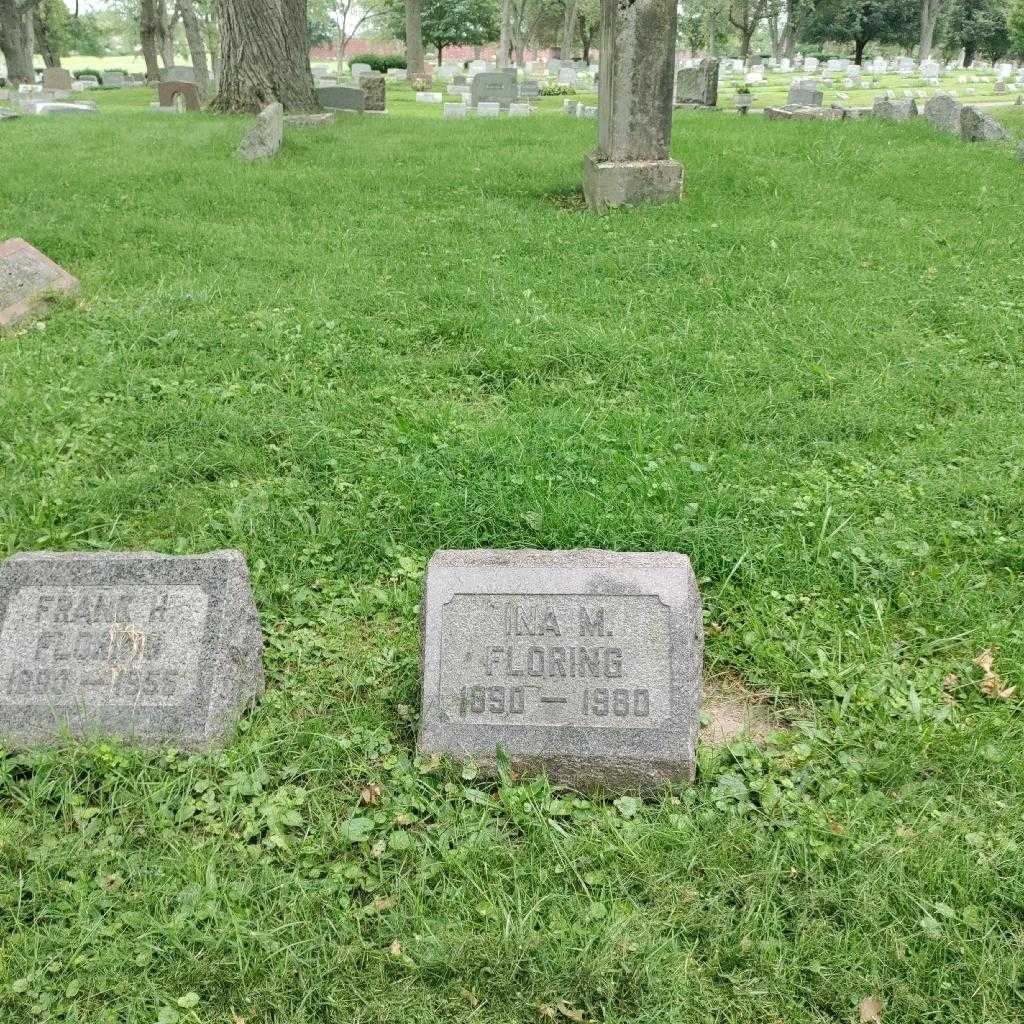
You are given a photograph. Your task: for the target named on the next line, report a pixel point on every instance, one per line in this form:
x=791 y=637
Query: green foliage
x=1015 y=26
x=448 y=22
x=829 y=422
x=863 y=21
x=381 y=62
x=980 y=27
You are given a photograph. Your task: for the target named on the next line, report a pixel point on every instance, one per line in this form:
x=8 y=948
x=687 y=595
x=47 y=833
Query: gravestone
x=178 y=74
x=429 y=97
x=115 y=79
x=493 y=87
x=455 y=110
x=894 y=110
x=943 y=111
x=167 y=92
x=583 y=664
x=398 y=74
x=529 y=89
x=26 y=276
x=977 y=126
x=342 y=97
x=519 y=110
x=48 y=108
x=264 y=138
x=373 y=88
x=57 y=78
x=698 y=86
x=360 y=69
x=151 y=648
x=805 y=94
x=487 y=109
x=632 y=163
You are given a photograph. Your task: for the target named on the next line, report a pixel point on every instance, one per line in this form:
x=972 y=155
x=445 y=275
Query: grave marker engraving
x=583 y=664
x=151 y=648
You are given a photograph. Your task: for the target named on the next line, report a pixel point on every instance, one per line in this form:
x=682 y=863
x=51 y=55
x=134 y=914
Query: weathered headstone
x=372 y=84
x=493 y=87
x=430 y=97
x=632 y=163
x=26 y=277
x=698 y=86
x=943 y=111
x=342 y=97
x=519 y=110
x=583 y=664
x=151 y=648
x=977 y=126
x=57 y=78
x=805 y=94
x=360 y=69
x=264 y=138
x=455 y=110
x=115 y=79
x=894 y=110
x=488 y=109
x=167 y=92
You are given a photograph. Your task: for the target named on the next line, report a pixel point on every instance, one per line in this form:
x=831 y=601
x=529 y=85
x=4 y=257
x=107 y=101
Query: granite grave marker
x=147 y=647
x=26 y=276
x=583 y=664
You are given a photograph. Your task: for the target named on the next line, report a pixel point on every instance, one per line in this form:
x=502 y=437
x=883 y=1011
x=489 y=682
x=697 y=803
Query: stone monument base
x=607 y=184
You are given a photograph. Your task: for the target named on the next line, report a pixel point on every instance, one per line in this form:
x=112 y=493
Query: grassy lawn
x=403 y=333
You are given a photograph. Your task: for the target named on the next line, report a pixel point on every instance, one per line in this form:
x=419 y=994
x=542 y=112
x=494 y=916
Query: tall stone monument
x=632 y=162
x=586 y=665
x=151 y=648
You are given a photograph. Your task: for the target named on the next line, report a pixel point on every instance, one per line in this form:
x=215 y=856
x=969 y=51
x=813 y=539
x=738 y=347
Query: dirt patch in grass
x=732 y=709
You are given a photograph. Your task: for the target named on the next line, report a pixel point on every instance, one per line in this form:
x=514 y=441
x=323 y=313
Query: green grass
x=403 y=333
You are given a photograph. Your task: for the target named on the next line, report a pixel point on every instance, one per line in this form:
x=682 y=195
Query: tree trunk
x=264 y=57
x=196 y=47
x=568 y=30
x=166 y=35
x=859 y=45
x=506 y=32
x=45 y=42
x=17 y=40
x=712 y=29
x=970 y=50
x=930 y=10
x=414 y=39
x=149 y=29
x=440 y=55
x=774 y=34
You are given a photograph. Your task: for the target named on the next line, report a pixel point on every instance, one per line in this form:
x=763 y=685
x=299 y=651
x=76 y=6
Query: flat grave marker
x=147 y=647
x=26 y=276
x=584 y=664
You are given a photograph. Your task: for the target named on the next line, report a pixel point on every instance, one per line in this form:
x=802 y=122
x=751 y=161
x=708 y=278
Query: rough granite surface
x=154 y=649
x=586 y=665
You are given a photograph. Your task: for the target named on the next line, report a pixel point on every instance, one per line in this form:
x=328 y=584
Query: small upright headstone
x=150 y=648
x=57 y=78
x=115 y=79
x=943 y=111
x=977 y=126
x=360 y=69
x=264 y=138
x=486 y=109
x=519 y=110
x=894 y=110
x=583 y=664
x=26 y=277
x=805 y=94
x=698 y=86
x=493 y=87
x=429 y=97
x=168 y=92
x=342 y=97
x=372 y=84
x=455 y=110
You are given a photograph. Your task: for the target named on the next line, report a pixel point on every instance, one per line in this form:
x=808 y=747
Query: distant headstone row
x=584 y=664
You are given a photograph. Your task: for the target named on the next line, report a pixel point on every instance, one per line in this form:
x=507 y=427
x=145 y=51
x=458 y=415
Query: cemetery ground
x=404 y=334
